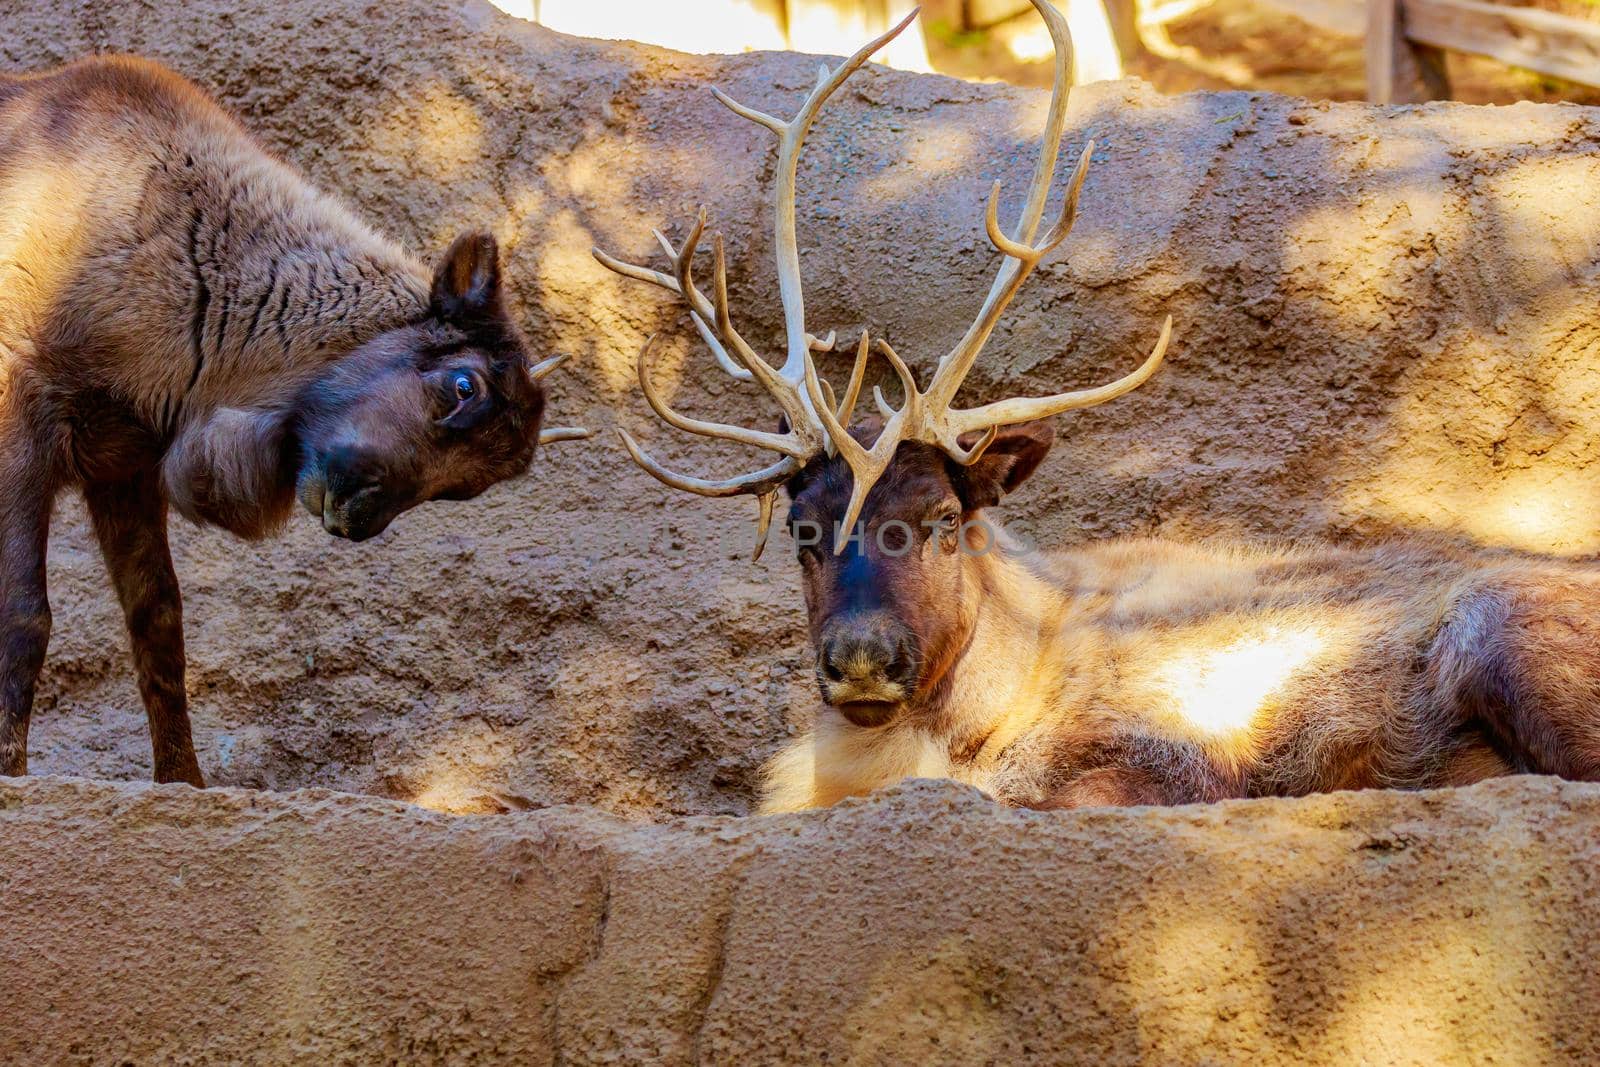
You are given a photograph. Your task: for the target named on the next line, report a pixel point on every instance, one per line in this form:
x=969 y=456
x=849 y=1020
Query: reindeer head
x=892 y=613
x=885 y=615
x=440 y=409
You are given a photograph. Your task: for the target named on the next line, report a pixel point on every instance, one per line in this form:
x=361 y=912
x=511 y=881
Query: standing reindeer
x=1130 y=672
x=185 y=321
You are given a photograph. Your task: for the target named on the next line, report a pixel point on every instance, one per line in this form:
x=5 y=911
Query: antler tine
x=1033 y=253
x=683 y=262
x=757 y=482
x=564 y=433
x=724 y=321
x=543 y=368
x=1021 y=256
x=634 y=271
x=709 y=336
x=681 y=284
x=791 y=136
x=760 y=118
x=763 y=521
x=1026 y=409
x=783 y=444
x=908 y=381
x=858 y=374
x=852 y=393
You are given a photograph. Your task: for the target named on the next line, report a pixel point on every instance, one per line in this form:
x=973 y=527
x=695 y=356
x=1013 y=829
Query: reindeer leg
x=1134 y=771
x=1523 y=662
x=1110 y=787
x=26 y=496
x=130 y=522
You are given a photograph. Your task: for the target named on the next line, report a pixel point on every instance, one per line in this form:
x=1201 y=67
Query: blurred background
x=1385 y=50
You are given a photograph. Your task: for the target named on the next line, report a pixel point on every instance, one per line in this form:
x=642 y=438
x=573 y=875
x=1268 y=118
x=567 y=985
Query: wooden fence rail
x=1406 y=39
x=1538 y=40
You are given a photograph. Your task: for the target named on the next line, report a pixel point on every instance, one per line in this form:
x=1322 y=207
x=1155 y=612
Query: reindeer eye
x=465 y=387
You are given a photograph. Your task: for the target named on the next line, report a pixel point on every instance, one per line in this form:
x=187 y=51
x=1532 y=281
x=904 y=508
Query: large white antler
x=815 y=423
x=929 y=416
x=807 y=435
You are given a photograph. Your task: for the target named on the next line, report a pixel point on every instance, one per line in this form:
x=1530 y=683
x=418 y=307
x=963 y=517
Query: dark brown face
x=891 y=614
x=438 y=410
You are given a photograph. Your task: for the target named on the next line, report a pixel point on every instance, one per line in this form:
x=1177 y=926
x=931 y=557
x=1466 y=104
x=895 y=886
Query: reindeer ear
x=1015 y=453
x=467 y=283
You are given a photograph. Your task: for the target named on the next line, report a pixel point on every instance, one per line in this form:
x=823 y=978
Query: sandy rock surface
x=170 y=926
x=1383 y=324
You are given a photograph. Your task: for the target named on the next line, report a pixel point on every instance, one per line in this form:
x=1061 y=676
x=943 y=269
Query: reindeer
x=185 y=322
x=1128 y=672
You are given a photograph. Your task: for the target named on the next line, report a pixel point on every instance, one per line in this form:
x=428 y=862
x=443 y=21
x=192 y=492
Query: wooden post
x=1124 y=18
x=1400 y=71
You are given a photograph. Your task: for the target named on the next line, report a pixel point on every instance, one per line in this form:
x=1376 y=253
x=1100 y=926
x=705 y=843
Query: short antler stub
x=550 y=434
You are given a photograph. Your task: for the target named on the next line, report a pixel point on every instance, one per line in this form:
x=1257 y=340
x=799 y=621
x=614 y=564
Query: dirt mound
x=1382 y=324
x=164 y=925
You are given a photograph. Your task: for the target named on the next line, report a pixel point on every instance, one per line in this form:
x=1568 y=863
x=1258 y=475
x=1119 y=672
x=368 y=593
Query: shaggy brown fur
x=185 y=321
x=1153 y=672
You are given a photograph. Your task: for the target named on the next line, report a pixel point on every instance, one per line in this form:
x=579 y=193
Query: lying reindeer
x=185 y=321
x=1131 y=672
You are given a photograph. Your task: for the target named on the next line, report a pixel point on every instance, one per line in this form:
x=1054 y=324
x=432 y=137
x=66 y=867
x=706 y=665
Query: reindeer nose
x=868 y=658
x=348 y=471
x=352 y=497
